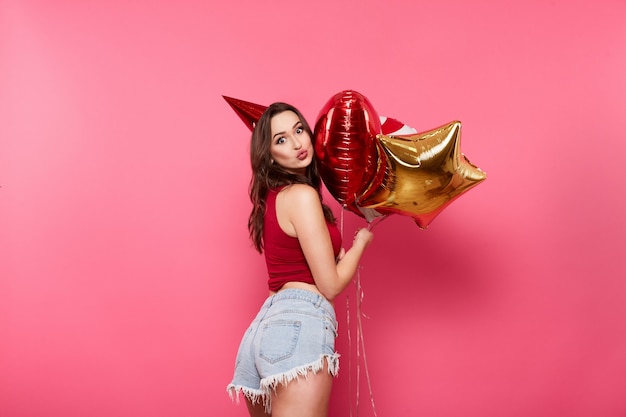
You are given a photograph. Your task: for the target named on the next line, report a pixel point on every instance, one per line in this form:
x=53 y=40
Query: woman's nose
x=296 y=144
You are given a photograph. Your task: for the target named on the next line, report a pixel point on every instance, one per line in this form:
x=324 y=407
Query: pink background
x=126 y=273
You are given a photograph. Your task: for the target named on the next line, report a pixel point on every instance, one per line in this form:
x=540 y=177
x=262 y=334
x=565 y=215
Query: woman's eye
x=280 y=140
x=299 y=130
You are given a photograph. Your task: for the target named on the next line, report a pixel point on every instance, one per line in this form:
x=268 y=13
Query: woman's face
x=291 y=145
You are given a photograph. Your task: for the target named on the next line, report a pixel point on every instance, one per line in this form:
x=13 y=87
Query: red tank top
x=283 y=254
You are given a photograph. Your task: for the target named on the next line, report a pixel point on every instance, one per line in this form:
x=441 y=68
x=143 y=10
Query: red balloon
x=350 y=159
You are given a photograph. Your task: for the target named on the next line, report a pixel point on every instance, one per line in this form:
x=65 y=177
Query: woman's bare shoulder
x=300 y=194
x=301 y=197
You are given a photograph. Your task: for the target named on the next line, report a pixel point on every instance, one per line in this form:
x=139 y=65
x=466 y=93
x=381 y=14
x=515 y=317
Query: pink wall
x=126 y=274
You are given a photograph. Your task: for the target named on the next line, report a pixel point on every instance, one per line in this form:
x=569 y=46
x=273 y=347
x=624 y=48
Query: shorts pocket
x=279 y=339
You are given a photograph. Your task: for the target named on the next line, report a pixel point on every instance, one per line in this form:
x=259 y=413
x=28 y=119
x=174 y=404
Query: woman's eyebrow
x=282 y=133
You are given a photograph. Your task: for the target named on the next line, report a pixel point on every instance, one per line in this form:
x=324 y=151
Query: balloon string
x=341 y=217
x=360 y=339
x=349 y=354
x=360 y=295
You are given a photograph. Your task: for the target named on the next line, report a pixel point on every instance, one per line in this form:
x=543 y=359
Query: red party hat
x=248 y=112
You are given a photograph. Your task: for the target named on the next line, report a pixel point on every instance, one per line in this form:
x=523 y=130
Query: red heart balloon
x=349 y=157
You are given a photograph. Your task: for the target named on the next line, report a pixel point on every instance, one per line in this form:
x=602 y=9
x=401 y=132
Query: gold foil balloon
x=425 y=173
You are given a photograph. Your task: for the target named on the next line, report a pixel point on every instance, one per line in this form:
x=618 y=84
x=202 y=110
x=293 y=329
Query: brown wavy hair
x=267 y=176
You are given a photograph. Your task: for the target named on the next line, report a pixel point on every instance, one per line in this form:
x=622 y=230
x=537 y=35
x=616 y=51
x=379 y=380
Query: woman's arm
x=302 y=208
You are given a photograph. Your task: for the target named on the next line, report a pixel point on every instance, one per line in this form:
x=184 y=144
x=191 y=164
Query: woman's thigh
x=305 y=396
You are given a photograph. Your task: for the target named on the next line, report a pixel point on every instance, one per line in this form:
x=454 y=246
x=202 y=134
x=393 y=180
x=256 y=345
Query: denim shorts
x=293 y=333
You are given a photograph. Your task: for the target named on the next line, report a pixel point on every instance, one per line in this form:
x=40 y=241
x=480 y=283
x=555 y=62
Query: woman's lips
x=302 y=155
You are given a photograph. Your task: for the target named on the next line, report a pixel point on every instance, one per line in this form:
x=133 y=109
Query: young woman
x=287 y=359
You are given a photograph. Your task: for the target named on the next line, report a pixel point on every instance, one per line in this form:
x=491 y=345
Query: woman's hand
x=363 y=237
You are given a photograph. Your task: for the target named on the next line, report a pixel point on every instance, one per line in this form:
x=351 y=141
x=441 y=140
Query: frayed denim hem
x=255 y=396
x=270 y=383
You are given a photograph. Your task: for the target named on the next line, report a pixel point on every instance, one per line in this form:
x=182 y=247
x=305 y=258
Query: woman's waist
x=302 y=291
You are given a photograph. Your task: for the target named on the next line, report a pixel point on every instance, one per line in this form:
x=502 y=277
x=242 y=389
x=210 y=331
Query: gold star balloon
x=425 y=172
